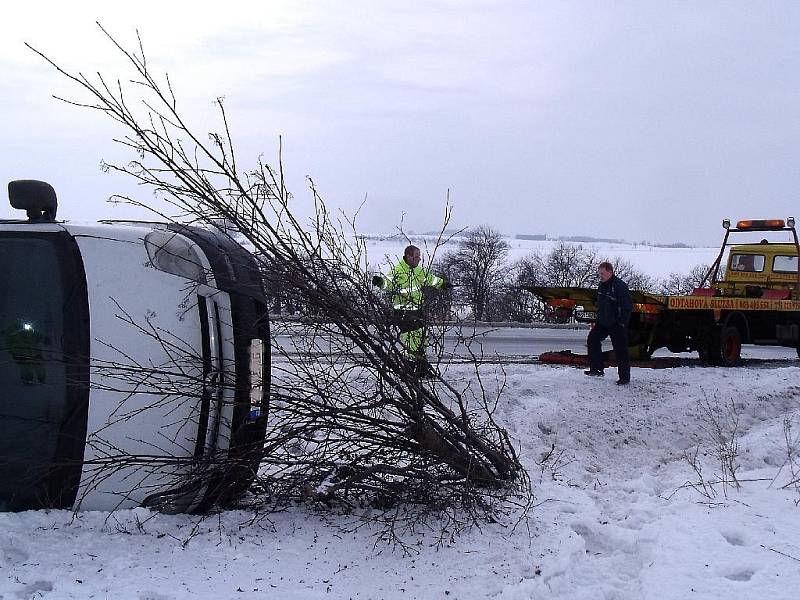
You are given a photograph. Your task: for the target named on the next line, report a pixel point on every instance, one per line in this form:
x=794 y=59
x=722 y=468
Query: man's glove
x=377 y=281
x=446 y=285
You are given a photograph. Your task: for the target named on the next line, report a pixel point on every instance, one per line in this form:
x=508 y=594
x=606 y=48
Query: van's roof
x=127 y=230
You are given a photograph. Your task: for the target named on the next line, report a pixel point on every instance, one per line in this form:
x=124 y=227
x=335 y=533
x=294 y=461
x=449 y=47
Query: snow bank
x=625 y=528
x=613 y=519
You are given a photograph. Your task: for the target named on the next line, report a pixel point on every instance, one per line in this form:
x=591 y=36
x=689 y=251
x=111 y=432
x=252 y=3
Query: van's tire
x=723 y=347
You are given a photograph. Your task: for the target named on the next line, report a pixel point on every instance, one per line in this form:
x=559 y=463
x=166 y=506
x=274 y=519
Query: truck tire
x=723 y=347
x=730 y=346
x=639 y=352
x=706 y=345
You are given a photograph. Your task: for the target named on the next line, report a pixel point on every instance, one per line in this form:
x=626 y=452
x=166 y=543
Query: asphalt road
x=512 y=341
x=518 y=342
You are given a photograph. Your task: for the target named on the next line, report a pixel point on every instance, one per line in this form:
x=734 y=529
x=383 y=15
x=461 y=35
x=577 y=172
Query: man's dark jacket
x=613 y=303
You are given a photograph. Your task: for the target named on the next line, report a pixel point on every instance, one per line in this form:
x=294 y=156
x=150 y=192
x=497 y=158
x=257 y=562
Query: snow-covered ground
x=651 y=260
x=612 y=521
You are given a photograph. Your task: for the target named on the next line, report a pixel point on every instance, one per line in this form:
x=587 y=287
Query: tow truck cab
x=756 y=301
x=761 y=269
x=134 y=363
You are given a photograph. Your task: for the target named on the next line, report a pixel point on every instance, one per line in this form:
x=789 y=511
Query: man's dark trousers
x=619 y=341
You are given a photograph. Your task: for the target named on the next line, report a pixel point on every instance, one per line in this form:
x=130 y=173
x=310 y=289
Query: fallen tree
x=350 y=423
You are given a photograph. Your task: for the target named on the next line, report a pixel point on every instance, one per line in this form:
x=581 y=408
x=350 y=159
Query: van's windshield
x=43 y=369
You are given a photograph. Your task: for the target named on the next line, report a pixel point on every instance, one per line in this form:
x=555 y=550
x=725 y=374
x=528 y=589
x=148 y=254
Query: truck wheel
x=703 y=351
x=708 y=347
x=639 y=352
x=723 y=347
x=730 y=346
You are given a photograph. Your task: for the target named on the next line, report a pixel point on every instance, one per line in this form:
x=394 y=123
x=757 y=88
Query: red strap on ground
x=567 y=357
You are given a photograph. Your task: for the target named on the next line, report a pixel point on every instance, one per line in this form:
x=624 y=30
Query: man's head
x=605 y=270
x=412 y=255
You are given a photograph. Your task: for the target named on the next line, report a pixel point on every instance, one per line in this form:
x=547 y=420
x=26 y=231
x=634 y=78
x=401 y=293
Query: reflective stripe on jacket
x=405 y=284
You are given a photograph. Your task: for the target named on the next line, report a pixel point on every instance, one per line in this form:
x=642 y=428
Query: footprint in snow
x=37 y=587
x=734 y=539
x=745 y=575
x=545 y=429
x=595 y=543
x=154 y=596
x=11 y=555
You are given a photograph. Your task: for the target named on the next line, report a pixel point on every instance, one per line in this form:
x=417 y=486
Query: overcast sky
x=640 y=120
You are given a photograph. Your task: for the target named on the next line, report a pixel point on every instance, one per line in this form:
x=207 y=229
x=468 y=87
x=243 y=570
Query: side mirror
x=36 y=198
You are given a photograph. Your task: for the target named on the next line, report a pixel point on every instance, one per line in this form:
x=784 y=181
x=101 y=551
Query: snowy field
x=651 y=260
x=613 y=521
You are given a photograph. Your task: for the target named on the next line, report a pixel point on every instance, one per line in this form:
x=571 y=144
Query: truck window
x=747 y=263
x=784 y=264
x=42 y=411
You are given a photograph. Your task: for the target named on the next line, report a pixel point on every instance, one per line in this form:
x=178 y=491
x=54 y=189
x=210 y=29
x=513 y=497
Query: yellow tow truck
x=756 y=301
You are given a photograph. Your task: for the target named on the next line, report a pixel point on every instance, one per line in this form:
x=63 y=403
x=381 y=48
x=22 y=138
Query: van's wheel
x=722 y=347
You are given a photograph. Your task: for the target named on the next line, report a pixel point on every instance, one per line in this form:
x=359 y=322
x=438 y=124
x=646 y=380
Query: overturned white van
x=134 y=363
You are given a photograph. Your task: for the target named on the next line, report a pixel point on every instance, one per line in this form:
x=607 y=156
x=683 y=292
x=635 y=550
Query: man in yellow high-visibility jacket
x=405 y=284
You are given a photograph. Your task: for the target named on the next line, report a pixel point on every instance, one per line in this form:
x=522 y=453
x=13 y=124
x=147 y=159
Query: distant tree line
x=488 y=287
